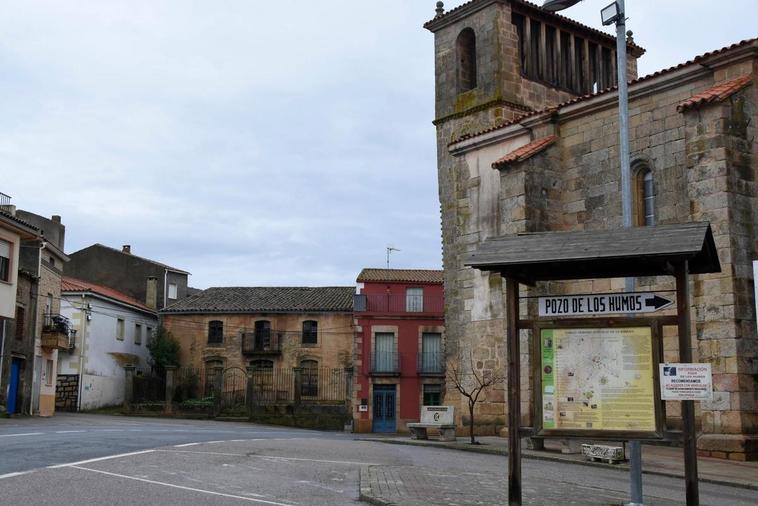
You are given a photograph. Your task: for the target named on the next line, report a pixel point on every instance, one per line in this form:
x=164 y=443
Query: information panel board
x=597 y=381
x=686 y=382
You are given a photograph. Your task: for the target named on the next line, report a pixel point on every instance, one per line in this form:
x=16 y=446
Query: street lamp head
x=558 y=5
x=611 y=14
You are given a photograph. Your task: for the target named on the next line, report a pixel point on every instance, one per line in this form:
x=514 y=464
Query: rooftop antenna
x=390 y=249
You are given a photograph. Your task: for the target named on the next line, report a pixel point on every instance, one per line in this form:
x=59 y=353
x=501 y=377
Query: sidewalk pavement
x=656 y=460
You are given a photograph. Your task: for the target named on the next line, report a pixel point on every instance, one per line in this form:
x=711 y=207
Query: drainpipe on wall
x=36 y=386
x=165 y=286
x=85 y=314
x=2 y=351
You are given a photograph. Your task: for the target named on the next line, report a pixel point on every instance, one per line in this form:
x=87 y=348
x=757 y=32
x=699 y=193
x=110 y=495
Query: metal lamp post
x=616 y=13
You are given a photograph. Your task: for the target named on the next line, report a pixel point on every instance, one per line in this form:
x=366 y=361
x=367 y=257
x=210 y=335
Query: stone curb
x=527 y=454
x=364 y=492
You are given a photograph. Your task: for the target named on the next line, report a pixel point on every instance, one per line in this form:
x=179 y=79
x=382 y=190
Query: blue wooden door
x=13 y=387
x=384 y=408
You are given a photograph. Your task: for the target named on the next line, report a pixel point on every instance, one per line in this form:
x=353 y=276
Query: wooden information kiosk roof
x=637 y=251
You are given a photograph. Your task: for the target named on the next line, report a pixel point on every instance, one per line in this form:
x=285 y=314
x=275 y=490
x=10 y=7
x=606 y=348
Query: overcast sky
x=254 y=142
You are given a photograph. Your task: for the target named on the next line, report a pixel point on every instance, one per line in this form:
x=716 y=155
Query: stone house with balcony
x=269 y=328
x=399 y=347
x=18 y=290
x=527 y=141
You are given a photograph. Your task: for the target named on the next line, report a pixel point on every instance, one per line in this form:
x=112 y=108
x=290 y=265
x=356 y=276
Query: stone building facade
x=268 y=327
x=531 y=152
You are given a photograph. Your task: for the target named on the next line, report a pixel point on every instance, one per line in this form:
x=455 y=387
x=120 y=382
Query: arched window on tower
x=466 y=54
x=644 y=196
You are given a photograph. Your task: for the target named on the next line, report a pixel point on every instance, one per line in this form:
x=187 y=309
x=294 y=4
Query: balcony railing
x=5 y=200
x=262 y=342
x=57 y=332
x=385 y=363
x=398 y=303
x=431 y=364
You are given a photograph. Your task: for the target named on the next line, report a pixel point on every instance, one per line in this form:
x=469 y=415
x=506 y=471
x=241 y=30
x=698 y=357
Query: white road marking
x=109 y=457
x=213 y=442
x=185 y=445
x=153 y=482
x=275 y=457
x=69 y=431
x=24 y=434
x=11 y=475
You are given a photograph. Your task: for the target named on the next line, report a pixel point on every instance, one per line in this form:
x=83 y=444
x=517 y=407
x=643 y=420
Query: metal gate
x=234 y=389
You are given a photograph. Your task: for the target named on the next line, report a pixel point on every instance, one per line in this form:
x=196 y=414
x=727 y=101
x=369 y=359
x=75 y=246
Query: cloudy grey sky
x=254 y=142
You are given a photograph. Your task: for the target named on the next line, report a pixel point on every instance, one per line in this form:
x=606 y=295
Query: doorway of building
x=13 y=387
x=384 y=409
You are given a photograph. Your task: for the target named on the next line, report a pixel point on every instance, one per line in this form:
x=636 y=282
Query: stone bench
x=441 y=418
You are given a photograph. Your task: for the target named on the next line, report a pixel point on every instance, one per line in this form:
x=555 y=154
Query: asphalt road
x=93 y=460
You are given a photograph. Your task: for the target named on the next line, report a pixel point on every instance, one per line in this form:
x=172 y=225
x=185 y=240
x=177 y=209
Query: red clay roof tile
x=77 y=285
x=716 y=94
x=525 y=152
x=400 y=275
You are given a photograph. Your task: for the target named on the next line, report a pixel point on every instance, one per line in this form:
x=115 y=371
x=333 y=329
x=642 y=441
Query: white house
x=112 y=330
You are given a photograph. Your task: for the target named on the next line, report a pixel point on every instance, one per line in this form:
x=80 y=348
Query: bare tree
x=471 y=388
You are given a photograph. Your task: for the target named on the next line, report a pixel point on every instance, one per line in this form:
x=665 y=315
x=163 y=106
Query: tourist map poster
x=598 y=379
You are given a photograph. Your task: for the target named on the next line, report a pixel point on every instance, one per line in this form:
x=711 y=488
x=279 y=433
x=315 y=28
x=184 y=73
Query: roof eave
x=92 y=293
x=24 y=230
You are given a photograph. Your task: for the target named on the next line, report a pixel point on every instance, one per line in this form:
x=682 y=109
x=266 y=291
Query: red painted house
x=399 y=347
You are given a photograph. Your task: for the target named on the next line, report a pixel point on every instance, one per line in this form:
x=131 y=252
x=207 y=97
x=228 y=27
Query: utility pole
x=616 y=13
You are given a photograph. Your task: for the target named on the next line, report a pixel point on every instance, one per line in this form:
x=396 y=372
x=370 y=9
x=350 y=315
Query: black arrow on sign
x=657 y=302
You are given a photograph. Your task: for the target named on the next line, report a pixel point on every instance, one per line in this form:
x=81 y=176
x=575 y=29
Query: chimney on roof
x=126 y=248
x=56 y=218
x=151 y=294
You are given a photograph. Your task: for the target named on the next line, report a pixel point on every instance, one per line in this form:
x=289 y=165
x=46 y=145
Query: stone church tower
x=495 y=61
x=527 y=141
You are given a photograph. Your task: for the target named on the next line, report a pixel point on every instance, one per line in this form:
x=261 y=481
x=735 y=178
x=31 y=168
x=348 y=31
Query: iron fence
x=148 y=386
x=399 y=303
x=385 y=362
x=431 y=363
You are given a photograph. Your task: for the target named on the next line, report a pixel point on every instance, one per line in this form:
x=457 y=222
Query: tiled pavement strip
x=657 y=460
x=414 y=486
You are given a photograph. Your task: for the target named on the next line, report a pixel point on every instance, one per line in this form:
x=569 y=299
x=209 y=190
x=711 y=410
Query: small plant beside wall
x=471 y=384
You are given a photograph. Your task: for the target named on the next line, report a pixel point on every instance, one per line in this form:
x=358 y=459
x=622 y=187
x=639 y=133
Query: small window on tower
x=466 y=54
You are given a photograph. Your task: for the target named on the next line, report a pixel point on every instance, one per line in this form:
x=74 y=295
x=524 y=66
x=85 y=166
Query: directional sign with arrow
x=598 y=304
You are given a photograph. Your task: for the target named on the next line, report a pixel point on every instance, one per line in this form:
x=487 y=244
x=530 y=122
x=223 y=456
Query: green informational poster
x=598 y=379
